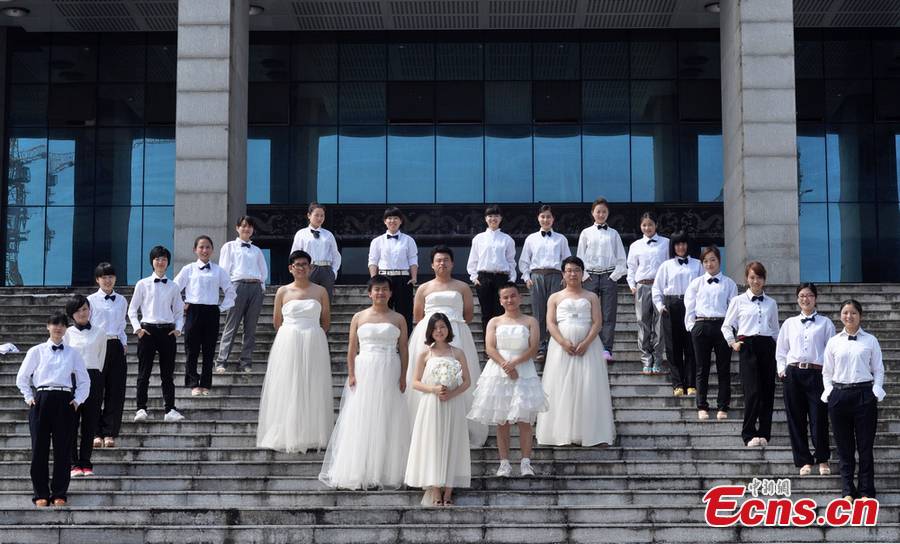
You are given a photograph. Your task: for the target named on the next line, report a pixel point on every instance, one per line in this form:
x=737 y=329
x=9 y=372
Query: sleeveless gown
x=370 y=441
x=296 y=408
x=500 y=399
x=578 y=386
x=449 y=303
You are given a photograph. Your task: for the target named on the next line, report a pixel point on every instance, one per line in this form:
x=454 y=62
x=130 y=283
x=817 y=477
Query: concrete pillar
x=759 y=126
x=211 y=122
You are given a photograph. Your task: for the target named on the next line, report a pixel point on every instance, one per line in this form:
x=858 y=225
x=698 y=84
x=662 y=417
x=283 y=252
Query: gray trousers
x=543 y=285
x=605 y=288
x=324 y=276
x=246 y=308
x=649 y=325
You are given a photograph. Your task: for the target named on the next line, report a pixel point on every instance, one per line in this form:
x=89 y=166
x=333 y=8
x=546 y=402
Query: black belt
x=709 y=319
x=157 y=325
x=806 y=366
x=857 y=385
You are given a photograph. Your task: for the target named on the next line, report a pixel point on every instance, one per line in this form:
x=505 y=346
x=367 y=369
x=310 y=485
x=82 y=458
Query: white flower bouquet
x=448 y=373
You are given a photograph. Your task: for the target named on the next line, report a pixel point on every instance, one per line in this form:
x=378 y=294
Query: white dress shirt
x=492 y=251
x=159 y=303
x=398 y=253
x=109 y=314
x=323 y=249
x=673 y=278
x=800 y=342
x=645 y=256
x=751 y=318
x=706 y=298
x=244 y=263
x=89 y=343
x=540 y=251
x=201 y=284
x=853 y=361
x=602 y=249
x=45 y=367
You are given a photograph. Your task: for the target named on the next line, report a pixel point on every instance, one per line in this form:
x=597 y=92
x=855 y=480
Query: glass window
x=700 y=100
x=121 y=105
x=122 y=57
x=701 y=163
x=852 y=247
x=161 y=57
x=24 y=245
x=455 y=61
x=606 y=164
x=507 y=61
x=653 y=164
x=73 y=58
x=507 y=102
x=653 y=59
x=269 y=61
x=410 y=168
x=410 y=102
x=459 y=102
x=363 y=62
x=314 y=164
x=117 y=239
x=362 y=103
x=27 y=167
x=27 y=105
x=508 y=170
x=606 y=101
x=848 y=100
x=699 y=60
x=269 y=104
x=159 y=230
x=557 y=101
x=847 y=55
x=556 y=60
x=29 y=58
x=120 y=166
x=811 y=164
x=71 y=169
x=887 y=107
x=887 y=57
x=315 y=62
x=652 y=101
x=267 y=165
x=605 y=60
x=315 y=104
x=888 y=242
x=361 y=167
x=810 y=100
x=159 y=166
x=814 y=242
x=159 y=105
x=460 y=163
x=73 y=105
x=851 y=163
x=69 y=238
x=808 y=59
x=557 y=168
x=411 y=61
x=887 y=148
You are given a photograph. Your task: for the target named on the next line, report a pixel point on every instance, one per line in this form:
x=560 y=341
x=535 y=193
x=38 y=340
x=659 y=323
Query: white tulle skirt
x=581 y=409
x=296 y=408
x=370 y=442
x=439 y=450
x=500 y=399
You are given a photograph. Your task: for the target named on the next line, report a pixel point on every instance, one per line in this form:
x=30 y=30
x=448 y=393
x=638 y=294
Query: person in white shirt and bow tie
x=395 y=255
x=320 y=244
x=201 y=281
x=645 y=256
x=853 y=379
x=492 y=263
x=755 y=318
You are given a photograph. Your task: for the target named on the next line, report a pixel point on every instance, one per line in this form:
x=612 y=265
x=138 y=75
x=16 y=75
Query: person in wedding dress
x=370 y=441
x=454 y=299
x=296 y=410
x=575 y=373
x=439 y=458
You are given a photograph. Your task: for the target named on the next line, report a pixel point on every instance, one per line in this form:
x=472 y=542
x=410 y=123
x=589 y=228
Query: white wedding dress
x=296 y=409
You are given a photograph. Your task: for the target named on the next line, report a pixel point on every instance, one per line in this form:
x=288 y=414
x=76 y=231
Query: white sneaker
x=505 y=469
x=753 y=443
x=525 y=468
x=763 y=442
x=173 y=416
x=141 y=415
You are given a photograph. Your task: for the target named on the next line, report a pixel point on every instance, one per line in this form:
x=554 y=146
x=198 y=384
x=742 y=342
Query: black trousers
x=115 y=373
x=401 y=300
x=324 y=276
x=679 y=346
x=854 y=415
x=805 y=410
x=201 y=329
x=707 y=338
x=51 y=417
x=88 y=419
x=489 y=295
x=757 y=368
x=157 y=340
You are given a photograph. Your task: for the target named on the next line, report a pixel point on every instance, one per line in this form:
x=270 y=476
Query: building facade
x=768 y=127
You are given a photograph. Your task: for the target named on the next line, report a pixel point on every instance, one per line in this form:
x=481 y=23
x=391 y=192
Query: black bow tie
x=849 y=337
x=62 y=347
x=651 y=240
x=683 y=261
x=604 y=226
x=245 y=244
x=546 y=233
x=205 y=267
x=83 y=327
x=160 y=280
x=712 y=280
x=393 y=236
x=759 y=298
x=810 y=318
x=315 y=233
x=110 y=297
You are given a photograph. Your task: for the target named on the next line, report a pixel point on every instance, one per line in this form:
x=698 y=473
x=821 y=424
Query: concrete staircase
x=203 y=480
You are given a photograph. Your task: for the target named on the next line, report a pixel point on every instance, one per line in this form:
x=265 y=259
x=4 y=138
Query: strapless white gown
x=370 y=442
x=296 y=409
x=449 y=303
x=580 y=403
x=500 y=399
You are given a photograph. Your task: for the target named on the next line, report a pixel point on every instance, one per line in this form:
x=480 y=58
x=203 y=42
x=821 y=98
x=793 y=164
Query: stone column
x=211 y=122
x=759 y=126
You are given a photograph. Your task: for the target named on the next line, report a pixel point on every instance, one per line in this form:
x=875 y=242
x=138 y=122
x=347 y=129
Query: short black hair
x=75 y=303
x=104 y=269
x=393 y=211
x=507 y=285
x=545 y=208
x=598 y=201
x=58 y=318
x=572 y=259
x=160 y=251
x=203 y=237
x=432 y=321
x=651 y=216
x=313 y=206
x=678 y=237
x=808 y=285
x=377 y=279
x=299 y=254
x=248 y=219
x=493 y=209
x=852 y=302
x=441 y=249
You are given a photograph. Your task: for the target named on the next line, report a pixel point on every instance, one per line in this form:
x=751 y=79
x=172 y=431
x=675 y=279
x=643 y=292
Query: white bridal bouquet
x=448 y=373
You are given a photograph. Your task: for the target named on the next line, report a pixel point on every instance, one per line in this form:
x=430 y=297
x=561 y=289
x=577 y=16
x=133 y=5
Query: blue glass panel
x=606 y=163
x=460 y=163
x=71 y=169
x=653 y=101
x=27 y=167
x=159 y=230
x=362 y=165
x=605 y=101
x=814 y=242
x=24 y=245
x=654 y=177
x=410 y=164
x=851 y=163
x=117 y=240
x=120 y=166
x=557 y=164
x=888 y=159
x=362 y=103
x=811 y=164
x=701 y=163
x=508 y=170
x=314 y=165
x=159 y=166
x=267 y=165
x=507 y=102
x=69 y=244
x=852 y=246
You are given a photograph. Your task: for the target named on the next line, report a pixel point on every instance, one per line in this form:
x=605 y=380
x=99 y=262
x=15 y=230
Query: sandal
x=109 y=442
